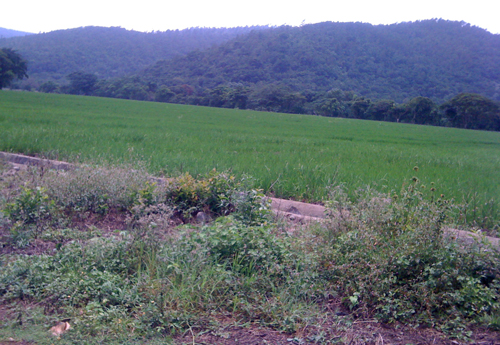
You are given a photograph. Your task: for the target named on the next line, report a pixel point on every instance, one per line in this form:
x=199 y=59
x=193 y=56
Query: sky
x=159 y=15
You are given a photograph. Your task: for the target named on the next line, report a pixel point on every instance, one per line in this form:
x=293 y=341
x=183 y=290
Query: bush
x=248 y=248
x=73 y=276
x=251 y=207
x=218 y=194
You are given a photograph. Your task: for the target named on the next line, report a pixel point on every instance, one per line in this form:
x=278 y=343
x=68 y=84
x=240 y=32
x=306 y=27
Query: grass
x=291 y=156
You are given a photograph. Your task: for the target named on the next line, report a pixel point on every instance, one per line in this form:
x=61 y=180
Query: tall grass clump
x=383 y=255
x=389 y=256
x=95 y=188
x=39 y=201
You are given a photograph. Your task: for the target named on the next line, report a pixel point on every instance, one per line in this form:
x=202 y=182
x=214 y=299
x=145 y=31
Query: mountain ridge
x=109 y=51
x=7 y=33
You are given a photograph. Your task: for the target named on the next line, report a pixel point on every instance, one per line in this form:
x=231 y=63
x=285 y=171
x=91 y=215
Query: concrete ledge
x=27 y=160
x=471 y=237
x=298 y=208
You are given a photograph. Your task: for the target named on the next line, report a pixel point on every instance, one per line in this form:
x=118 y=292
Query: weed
x=251 y=206
x=219 y=194
x=210 y=193
x=244 y=248
x=95 y=189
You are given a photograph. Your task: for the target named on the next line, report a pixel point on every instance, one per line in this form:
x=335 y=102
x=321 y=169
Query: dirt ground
x=338 y=329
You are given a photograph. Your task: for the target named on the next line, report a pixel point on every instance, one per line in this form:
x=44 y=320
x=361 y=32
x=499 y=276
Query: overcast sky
x=147 y=15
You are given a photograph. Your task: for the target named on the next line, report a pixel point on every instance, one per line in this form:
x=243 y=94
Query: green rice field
x=291 y=156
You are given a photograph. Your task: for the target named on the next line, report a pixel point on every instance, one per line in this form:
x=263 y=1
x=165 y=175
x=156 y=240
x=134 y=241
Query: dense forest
x=433 y=58
x=109 y=52
x=434 y=72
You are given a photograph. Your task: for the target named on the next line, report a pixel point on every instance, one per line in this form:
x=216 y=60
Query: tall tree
x=81 y=83
x=381 y=110
x=470 y=110
x=12 y=66
x=421 y=110
x=359 y=107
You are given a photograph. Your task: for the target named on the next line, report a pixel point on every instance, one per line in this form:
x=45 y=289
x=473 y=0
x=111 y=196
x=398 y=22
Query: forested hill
x=5 y=33
x=432 y=58
x=109 y=52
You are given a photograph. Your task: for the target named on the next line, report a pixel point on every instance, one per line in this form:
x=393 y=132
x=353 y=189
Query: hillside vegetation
x=290 y=156
x=436 y=59
x=109 y=52
x=432 y=58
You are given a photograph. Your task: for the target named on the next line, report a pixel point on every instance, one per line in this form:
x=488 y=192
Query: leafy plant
x=247 y=248
x=211 y=193
x=29 y=213
x=251 y=206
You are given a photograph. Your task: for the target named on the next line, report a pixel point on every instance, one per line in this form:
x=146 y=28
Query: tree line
x=465 y=110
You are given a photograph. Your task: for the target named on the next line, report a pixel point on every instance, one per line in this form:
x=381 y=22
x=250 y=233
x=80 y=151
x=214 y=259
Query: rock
x=298 y=207
x=293 y=209
x=60 y=328
x=202 y=217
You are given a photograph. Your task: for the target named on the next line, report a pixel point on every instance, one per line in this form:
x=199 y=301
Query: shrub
x=31 y=206
x=251 y=207
x=218 y=194
x=29 y=213
x=73 y=276
x=210 y=193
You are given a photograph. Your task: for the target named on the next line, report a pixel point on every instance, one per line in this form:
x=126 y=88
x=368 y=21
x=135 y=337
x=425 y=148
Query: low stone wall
x=27 y=160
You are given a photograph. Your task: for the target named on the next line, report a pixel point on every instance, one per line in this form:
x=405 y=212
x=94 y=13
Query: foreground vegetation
x=377 y=256
x=290 y=156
